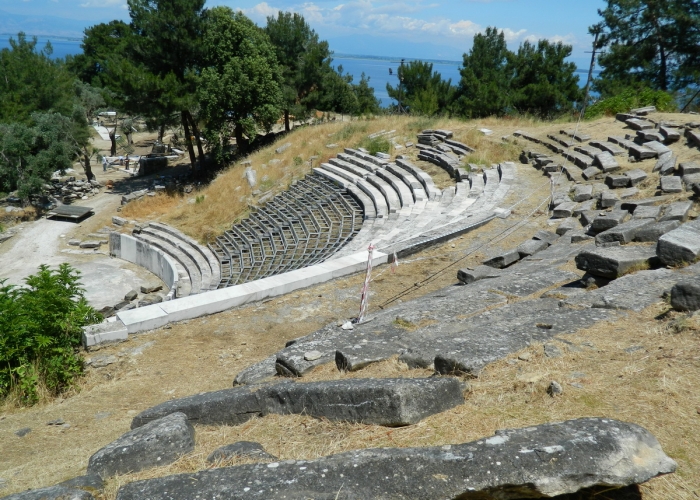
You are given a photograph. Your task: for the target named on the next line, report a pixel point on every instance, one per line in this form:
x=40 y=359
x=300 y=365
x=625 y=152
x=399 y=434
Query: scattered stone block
x=657 y=147
x=590 y=173
x=646 y=212
x=623 y=233
x=680 y=246
x=653 y=232
x=649 y=135
x=579 y=236
x=666 y=164
x=606 y=162
x=586 y=206
x=531 y=247
x=74 y=243
x=468 y=276
x=671 y=184
x=90 y=244
x=588 y=216
x=685 y=295
x=52 y=493
x=614 y=262
x=119 y=221
x=150 y=288
x=131 y=295
x=564 y=210
x=642 y=152
x=503 y=260
x=608 y=199
x=677 y=211
x=636 y=176
x=547 y=236
x=283 y=148
x=568 y=225
x=157 y=443
x=608 y=220
x=637 y=124
x=583 y=192
x=241 y=449
x=690 y=179
x=617 y=181
x=687 y=168
x=589 y=452
x=150 y=299
x=670 y=134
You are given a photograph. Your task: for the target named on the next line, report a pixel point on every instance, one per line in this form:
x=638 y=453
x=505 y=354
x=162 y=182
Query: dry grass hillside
x=642 y=368
x=206 y=213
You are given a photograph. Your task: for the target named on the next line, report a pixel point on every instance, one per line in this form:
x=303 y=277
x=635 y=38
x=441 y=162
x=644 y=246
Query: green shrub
x=40 y=333
x=350 y=130
x=376 y=145
x=631 y=98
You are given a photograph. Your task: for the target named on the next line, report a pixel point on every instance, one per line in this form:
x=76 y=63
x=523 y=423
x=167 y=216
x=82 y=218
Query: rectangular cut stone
x=628 y=193
x=611 y=148
x=642 y=152
x=680 y=246
x=636 y=176
x=671 y=184
x=693 y=136
x=613 y=262
x=637 y=124
x=568 y=225
x=690 y=179
x=578 y=136
x=644 y=111
x=608 y=199
x=609 y=220
x=666 y=164
x=649 y=135
x=590 y=173
x=503 y=260
x=583 y=192
x=589 y=151
x=585 y=206
x=670 y=134
x=687 y=168
x=621 y=141
x=617 y=181
x=624 y=233
x=607 y=162
x=588 y=216
x=479 y=273
x=564 y=210
x=653 y=232
x=646 y=212
x=531 y=247
x=677 y=211
x=658 y=147
x=547 y=236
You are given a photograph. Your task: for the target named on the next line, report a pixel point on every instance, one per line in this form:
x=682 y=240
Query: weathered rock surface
x=583 y=192
x=613 y=262
x=636 y=176
x=543 y=461
x=243 y=449
x=390 y=402
x=503 y=260
x=680 y=246
x=646 y=212
x=547 y=236
x=157 y=443
x=564 y=210
x=685 y=295
x=671 y=184
x=677 y=211
x=91 y=483
x=608 y=220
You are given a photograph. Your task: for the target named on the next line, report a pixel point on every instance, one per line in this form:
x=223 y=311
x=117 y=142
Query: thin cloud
x=104 y=3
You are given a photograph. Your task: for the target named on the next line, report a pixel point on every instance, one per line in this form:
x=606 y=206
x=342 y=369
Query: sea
x=379 y=70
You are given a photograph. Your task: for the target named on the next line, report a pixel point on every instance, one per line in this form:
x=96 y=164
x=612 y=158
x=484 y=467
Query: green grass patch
x=376 y=145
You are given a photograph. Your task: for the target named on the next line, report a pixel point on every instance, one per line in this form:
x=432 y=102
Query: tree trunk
x=113 y=138
x=188 y=140
x=87 y=167
x=161 y=132
x=286 y=120
x=241 y=144
x=195 y=131
x=664 y=79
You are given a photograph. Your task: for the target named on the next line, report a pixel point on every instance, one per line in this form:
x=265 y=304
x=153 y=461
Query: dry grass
x=229 y=197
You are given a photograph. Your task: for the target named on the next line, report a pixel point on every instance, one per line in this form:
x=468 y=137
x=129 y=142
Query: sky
x=428 y=29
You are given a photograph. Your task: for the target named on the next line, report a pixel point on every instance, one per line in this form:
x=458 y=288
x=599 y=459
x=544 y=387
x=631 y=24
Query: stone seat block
x=653 y=232
x=607 y=220
x=680 y=246
x=624 y=233
x=671 y=184
x=503 y=260
x=613 y=262
x=479 y=273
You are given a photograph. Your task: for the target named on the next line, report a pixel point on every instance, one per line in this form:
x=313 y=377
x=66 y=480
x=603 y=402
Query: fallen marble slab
x=542 y=461
x=679 y=210
x=389 y=402
x=468 y=276
x=614 y=262
x=159 y=442
x=624 y=233
x=653 y=232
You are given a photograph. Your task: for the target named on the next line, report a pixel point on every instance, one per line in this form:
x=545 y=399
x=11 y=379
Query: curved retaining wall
x=142 y=254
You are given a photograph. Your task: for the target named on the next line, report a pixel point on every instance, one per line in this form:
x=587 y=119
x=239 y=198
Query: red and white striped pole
x=364 y=301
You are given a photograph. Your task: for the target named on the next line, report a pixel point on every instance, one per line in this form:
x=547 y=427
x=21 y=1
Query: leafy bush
x=631 y=98
x=376 y=145
x=40 y=333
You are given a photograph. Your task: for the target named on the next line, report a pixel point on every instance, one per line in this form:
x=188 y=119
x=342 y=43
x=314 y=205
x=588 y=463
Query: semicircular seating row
x=337 y=210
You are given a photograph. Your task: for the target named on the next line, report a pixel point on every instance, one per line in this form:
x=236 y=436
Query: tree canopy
x=655 y=43
x=421 y=90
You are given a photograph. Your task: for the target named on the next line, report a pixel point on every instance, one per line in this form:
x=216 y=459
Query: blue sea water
x=376 y=68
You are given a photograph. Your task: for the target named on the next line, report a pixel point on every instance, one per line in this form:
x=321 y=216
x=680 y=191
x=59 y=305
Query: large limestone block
x=479 y=273
x=531 y=247
x=503 y=260
x=542 y=461
x=680 y=246
x=655 y=231
x=613 y=262
x=157 y=443
x=624 y=233
x=685 y=295
x=607 y=220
